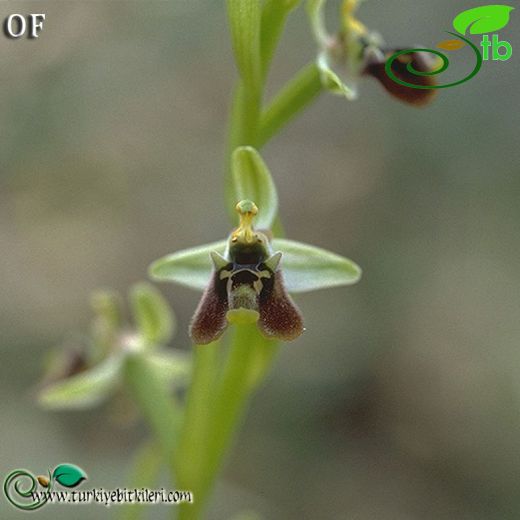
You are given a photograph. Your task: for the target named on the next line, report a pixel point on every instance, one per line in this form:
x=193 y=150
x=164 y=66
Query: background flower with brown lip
x=355 y=51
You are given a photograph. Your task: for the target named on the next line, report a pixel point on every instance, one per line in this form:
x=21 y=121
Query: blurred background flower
x=401 y=400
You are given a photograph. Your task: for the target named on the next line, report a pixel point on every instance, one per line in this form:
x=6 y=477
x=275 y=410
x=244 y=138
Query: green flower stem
x=247 y=100
x=191 y=447
x=297 y=94
x=248 y=361
x=146 y=467
x=216 y=403
x=245 y=120
x=152 y=397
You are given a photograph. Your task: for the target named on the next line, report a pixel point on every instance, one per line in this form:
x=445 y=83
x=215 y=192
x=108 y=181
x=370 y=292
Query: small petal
x=153 y=316
x=280 y=318
x=209 y=321
x=252 y=180
x=83 y=390
x=189 y=267
x=307 y=268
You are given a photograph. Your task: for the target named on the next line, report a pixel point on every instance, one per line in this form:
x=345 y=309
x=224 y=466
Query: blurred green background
x=402 y=399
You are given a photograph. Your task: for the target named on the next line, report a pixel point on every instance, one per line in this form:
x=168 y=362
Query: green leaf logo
x=68 y=475
x=482 y=20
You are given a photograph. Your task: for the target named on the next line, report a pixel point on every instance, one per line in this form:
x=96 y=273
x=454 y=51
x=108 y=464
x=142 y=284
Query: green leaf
x=83 y=390
x=154 y=318
x=190 y=267
x=68 y=475
x=252 y=181
x=171 y=366
x=307 y=268
x=245 y=19
x=483 y=19
x=338 y=83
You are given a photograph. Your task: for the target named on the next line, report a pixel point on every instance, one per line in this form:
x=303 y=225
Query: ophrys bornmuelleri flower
x=355 y=51
x=248 y=277
x=87 y=376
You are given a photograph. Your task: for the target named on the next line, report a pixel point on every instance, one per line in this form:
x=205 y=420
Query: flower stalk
x=227 y=371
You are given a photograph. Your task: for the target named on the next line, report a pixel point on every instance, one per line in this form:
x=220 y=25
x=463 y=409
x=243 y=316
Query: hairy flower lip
x=246 y=286
x=279 y=266
x=251 y=272
x=420 y=61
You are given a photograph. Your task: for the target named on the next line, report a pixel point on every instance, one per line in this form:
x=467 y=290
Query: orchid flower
x=248 y=277
x=83 y=378
x=355 y=51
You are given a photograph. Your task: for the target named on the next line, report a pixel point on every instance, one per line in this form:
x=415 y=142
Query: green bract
x=154 y=319
x=112 y=345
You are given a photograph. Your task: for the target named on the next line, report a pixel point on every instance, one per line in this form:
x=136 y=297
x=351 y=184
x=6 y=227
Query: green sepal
x=84 y=390
x=308 y=268
x=153 y=316
x=252 y=180
x=189 y=267
x=106 y=324
x=305 y=267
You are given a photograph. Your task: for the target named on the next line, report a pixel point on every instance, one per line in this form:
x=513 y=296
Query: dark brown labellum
x=420 y=61
x=250 y=281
